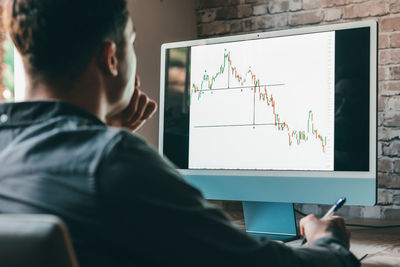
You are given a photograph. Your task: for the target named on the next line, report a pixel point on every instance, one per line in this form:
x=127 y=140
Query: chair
x=35 y=240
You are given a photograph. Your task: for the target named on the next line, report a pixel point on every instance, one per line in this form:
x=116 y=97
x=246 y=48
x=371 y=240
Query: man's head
x=61 y=39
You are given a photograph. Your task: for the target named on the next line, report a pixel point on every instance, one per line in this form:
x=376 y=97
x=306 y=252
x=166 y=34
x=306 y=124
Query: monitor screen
x=298 y=102
x=269 y=99
x=244 y=112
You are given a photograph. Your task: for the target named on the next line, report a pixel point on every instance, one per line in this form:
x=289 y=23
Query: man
x=123 y=204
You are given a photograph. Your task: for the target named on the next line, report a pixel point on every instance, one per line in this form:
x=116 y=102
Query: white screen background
x=233 y=127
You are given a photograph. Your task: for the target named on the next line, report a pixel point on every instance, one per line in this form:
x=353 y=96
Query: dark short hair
x=60 y=36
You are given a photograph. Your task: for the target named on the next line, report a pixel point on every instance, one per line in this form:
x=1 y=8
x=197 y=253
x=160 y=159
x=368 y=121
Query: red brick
x=307 y=17
x=210 y=3
x=380 y=149
x=330 y=3
x=217 y=27
x=208 y=15
x=385 y=164
x=383 y=73
x=394 y=72
x=280 y=20
x=393 y=103
x=394 y=6
x=255 y=1
x=391 y=118
x=395 y=194
x=234 y=12
x=381 y=103
x=386 y=73
x=227 y=13
x=332 y=14
x=294 y=5
x=389 y=88
x=389 y=56
x=390 y=24
x=388 y=180
x=260 y=9
x=262 y=22
x=392 y=149
x=366 y=9
x=384 y=196
x=395 y=40
x=236 y=26
x=244 y=11
x=311 y=4
x=380 y=118
x=396 y=166
x=387 y=134
x=278 y=6
x=247 y=25
x=384 y=41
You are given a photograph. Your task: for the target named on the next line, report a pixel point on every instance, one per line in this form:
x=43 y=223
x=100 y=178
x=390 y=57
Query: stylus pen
x=338 y=204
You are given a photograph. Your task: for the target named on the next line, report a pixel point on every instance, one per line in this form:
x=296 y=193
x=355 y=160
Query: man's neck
x=84 y=92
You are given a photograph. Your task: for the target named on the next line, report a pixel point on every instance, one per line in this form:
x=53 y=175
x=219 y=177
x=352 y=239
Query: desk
x=382 y=246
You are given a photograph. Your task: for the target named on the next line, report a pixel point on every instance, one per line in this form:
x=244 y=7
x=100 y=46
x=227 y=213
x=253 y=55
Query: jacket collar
x=31 y=112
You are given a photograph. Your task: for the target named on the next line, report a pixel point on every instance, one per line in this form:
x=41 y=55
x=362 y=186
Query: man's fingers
x=314 y=228
x=302 y=231
x=304 y=221
x=150 y=109
x=133 y=104
x=137 y=81
x=308 y=218
x=338 y=221
x=136 y=125
x=139 y=109
x=142 y=103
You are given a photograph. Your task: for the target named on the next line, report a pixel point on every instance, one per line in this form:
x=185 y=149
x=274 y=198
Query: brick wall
x=228 y=17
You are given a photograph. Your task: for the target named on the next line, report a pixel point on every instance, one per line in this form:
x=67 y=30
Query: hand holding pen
x=317 y=228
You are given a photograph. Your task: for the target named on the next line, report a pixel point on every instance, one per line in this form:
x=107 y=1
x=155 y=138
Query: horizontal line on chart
x=236 y=125
x=241 y=87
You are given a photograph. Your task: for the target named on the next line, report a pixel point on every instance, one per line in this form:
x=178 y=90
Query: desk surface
x=382 y=246
x=379 y=247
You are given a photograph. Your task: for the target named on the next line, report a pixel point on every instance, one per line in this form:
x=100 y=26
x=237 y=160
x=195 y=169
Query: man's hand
x=313 y=228
x=140 y=109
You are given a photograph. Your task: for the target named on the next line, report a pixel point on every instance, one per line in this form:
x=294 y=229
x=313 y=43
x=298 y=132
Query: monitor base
x=270 y=219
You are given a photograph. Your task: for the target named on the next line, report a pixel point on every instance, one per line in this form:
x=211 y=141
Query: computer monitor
x=274 y=118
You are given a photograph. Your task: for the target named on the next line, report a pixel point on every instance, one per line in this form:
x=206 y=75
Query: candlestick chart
x=294 y=136
x=236 y=108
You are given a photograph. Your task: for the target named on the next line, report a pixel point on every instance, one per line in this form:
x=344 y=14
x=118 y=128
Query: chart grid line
x=236 y=125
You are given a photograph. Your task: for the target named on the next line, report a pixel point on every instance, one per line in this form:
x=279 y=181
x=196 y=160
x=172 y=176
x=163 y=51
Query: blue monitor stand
x=271 y=219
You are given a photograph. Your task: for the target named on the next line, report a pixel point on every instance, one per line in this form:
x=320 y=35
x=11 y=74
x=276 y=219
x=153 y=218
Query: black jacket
x=124 y=204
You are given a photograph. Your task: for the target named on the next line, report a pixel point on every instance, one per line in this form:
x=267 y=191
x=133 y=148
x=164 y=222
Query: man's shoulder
x=104 y=146
x=130 y=150
x=130 y=159
x=133 y=169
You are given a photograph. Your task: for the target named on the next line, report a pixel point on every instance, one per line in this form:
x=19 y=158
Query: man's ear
x=108 y=58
